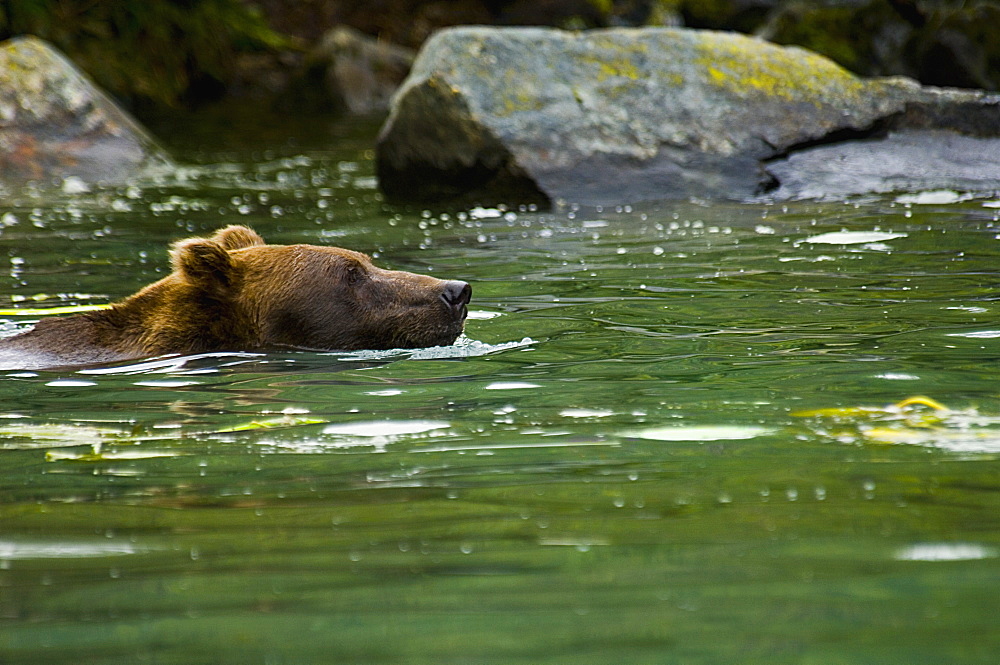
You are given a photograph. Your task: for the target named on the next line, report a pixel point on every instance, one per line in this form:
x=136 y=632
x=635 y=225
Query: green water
x=612 y=466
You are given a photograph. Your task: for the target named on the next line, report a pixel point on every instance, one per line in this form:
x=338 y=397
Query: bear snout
x=456 y=295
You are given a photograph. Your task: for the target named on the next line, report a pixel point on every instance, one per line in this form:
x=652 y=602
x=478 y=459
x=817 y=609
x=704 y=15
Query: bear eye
x=355 y=274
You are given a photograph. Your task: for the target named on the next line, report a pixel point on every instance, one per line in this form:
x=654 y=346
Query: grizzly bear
x=233 y=292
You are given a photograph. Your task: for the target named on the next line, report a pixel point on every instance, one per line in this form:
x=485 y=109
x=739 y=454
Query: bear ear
x=205 y=264
x=237 y=237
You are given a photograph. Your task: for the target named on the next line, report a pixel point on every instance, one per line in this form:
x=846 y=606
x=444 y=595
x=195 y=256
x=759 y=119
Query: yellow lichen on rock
x=749 y=67
x=614 y=58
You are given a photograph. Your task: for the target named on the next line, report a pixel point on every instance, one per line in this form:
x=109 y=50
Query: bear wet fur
x=233 y=292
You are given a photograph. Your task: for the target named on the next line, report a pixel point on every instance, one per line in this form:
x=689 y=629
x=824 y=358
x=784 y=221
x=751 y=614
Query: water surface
x=667 y=436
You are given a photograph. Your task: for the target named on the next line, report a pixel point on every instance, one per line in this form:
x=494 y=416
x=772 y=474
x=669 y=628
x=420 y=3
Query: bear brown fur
x=233 y=292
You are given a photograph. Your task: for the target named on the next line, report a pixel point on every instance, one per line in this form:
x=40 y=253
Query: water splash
x=462 y=348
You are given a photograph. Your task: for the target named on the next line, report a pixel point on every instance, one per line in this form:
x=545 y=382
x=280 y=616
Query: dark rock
x=614 y=116
x=56 y=124
x=740 y=15
x=359 y=74
x=959 y=47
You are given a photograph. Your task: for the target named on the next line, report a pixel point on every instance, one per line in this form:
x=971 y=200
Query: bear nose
x=456 y=294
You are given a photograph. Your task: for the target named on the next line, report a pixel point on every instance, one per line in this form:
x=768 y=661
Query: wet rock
x=612 y=116
x=56 y=126
x=358 y=74
x=905 y=160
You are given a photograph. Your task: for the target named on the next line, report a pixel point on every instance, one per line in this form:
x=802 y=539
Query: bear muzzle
x=456 y=295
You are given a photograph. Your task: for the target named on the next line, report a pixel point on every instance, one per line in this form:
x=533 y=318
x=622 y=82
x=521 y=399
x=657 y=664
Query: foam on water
x=462 y=348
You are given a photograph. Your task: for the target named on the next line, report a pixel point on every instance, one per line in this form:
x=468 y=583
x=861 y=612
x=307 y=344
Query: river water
x=672 y=433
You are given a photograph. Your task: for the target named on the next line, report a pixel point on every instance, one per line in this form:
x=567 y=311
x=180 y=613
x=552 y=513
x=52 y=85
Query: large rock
x=623 y=115
x=56 y=124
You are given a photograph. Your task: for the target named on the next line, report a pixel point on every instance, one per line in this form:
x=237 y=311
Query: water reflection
x=25 y=550
x=380 y=433
x=946 y=552
x=200 y=363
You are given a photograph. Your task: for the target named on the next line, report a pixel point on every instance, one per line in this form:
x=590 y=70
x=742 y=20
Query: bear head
x=246 y=294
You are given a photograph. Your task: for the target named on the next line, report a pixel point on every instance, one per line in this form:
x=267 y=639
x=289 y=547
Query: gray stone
x=55 y=124
x=625 y=115
x=906 y=160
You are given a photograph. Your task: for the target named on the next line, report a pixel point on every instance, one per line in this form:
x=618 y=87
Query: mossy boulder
x=56 y=124
x=610 y=116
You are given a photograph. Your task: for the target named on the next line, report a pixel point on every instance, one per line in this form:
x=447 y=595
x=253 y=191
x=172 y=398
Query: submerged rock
x=623 y=115
x=56 y=126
